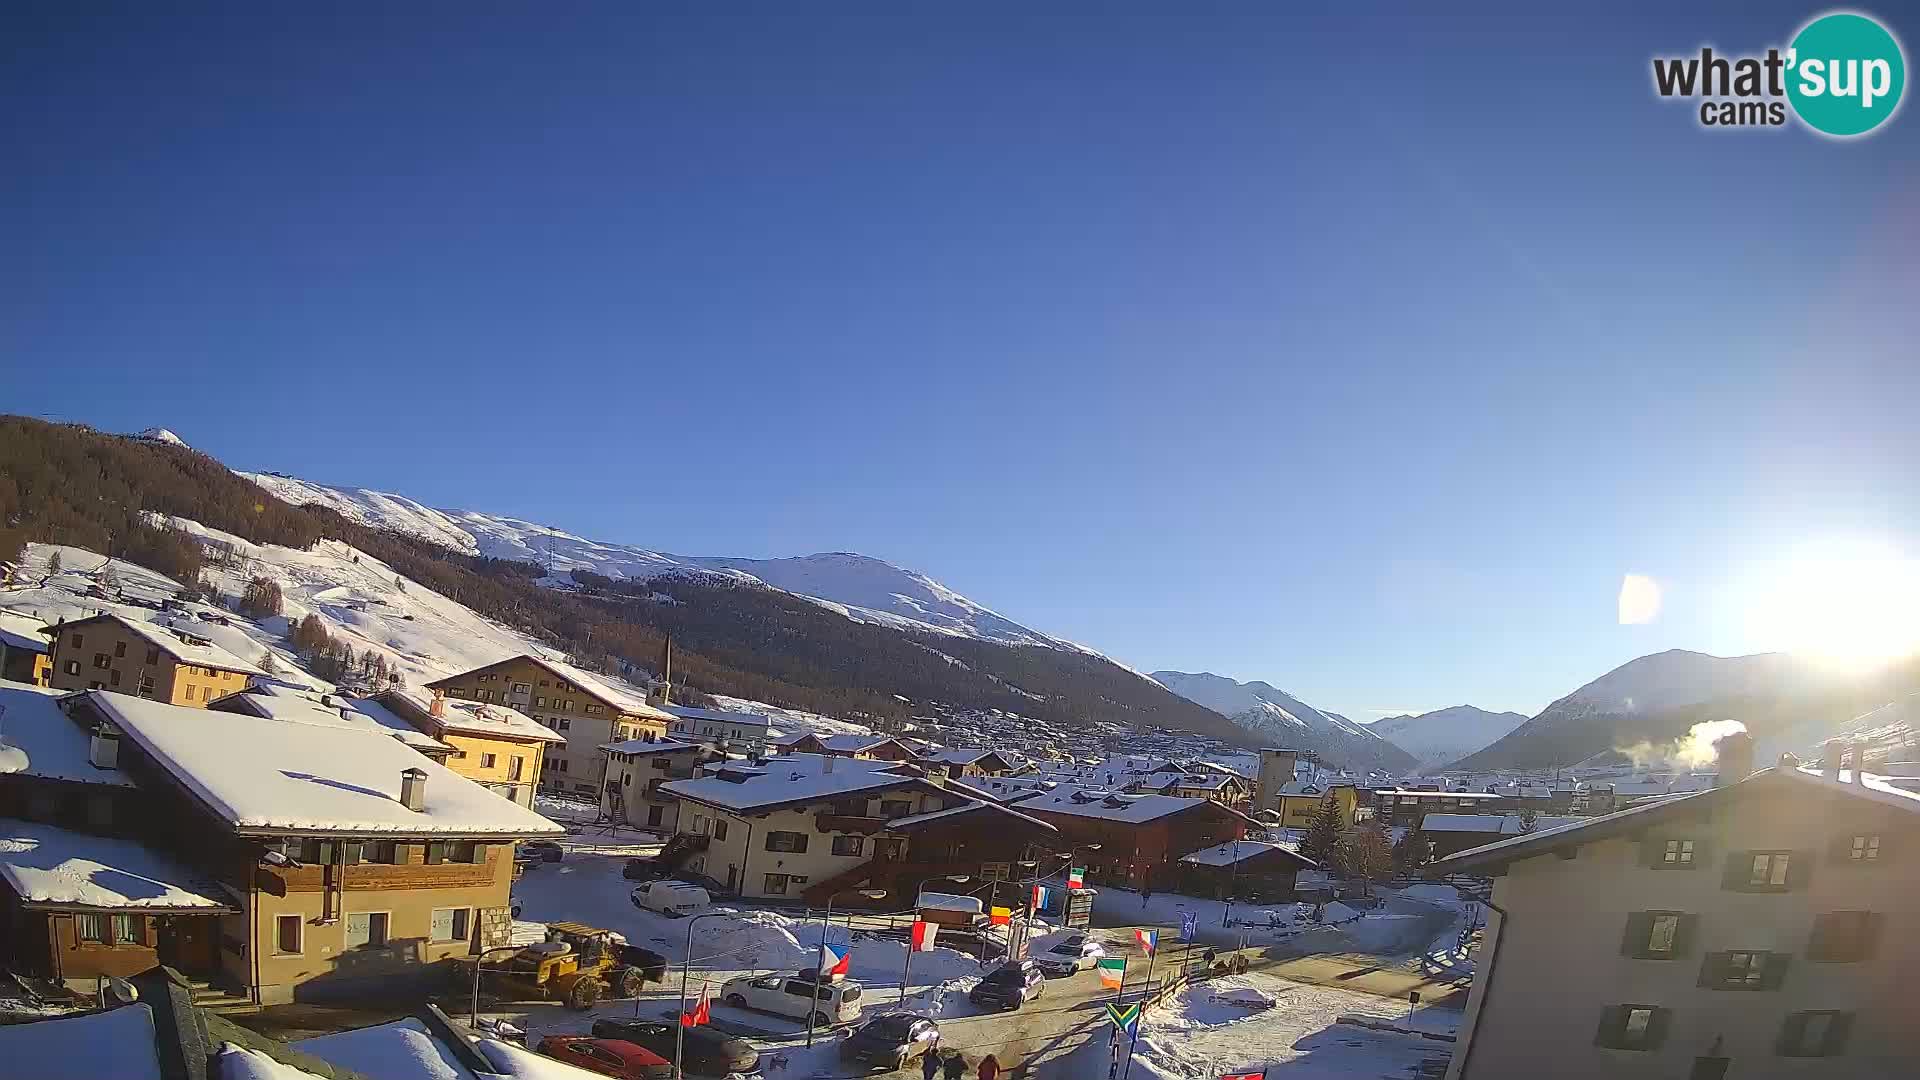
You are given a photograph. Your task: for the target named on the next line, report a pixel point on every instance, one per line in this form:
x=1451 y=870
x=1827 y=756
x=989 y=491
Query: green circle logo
x=1845 y=74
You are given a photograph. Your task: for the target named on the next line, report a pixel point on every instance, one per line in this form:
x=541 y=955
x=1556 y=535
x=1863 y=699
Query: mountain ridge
x=1263 y=709
x=1442 y=735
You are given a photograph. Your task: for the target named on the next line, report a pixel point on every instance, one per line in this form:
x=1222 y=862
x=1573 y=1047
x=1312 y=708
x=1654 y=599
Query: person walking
x=930 y=1062
x=955 y=1067
x=989 y=1068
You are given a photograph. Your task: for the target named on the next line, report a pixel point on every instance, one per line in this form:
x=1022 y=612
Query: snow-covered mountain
x=162 y=435
x=1281 y=719
x=862 y=588
x=1443 y=735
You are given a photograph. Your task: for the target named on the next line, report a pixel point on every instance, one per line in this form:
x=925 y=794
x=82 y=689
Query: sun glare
x=1854 y=606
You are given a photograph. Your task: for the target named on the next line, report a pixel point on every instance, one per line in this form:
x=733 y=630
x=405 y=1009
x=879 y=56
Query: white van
x=793 y=994
x=671 y=898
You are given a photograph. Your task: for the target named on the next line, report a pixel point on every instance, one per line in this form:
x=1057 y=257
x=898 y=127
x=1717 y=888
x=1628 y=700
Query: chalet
x=1221 y=788
x=583 y=708
x=496 y=746
x=746 y=731
x=149 y=660
x=1765 y=928
x=1242 y=869
x=345 y=859
x=1400 y=807
x=23 y=650
x=1140 y=837
x=636 y=769
x=971 y=765
x=814 y=827
x=862 y=747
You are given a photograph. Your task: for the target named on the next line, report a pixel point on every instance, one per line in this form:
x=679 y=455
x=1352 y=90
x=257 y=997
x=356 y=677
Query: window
x=367 y=930
x=567 y=705
x=1844 y=937
x=1657 y=935
x=129 y=930
x=465 y=851
x=101 y=660
x=450 y=924
x=719 y=829
x=1815 y=1034
x=521 y=688
x=776 y=885
x=436 y=852
x=787 y=841
x=563 y=725
x=698 y=827
x=382 y=851
x=595 y=710
x=73 y=667
x=119 y=648
x=1769 y=868
x=1766 y=871
x=1632 y=1027
x=1745 y=970
x=90 y=927
x=514 y=766
x=286 y=935
x=76 y=641
x=540 y=702
x=314 y=852
x=153 y=656
x=146 y=686
x=113 y=678
x=893 y=808
x=487 y=760
x=847 y=845
x=1864 y=849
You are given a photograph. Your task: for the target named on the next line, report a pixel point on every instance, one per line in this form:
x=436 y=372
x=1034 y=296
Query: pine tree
x=53 y=563
x=1412 y=852
x=261 y=598
x=1363 y=853
x=1322 y=841
x=1529 y=820
x=267 y=663
x=109 y=577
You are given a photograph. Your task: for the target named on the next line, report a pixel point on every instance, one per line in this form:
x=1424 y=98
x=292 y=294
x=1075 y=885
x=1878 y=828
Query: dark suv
x=1009 y=986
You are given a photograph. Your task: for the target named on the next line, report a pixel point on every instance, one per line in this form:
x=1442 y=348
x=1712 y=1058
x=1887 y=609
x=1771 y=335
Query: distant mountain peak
x=1278 y=717
x=1448 y=734
x=162 y=435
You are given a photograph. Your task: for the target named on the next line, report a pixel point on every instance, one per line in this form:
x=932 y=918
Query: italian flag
x=1077 y=878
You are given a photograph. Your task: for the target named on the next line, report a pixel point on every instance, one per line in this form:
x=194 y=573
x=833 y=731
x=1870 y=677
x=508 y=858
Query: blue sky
x=1363 y=355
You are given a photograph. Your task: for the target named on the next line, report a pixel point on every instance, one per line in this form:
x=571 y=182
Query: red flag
x=1260 y=1075
x=701 y=1014
x=923 y=935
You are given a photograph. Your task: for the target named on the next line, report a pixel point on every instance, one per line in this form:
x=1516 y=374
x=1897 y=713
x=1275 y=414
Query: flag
x=1039 y=897
x=1148 y=939
x=1077 y=878
x=923 y=934
x=1113 y=971
x=701 y=1014
x=1000 y=916
x=1189 y=925
x=835 y=959
x=1257 y=1074
x=1125 y=1017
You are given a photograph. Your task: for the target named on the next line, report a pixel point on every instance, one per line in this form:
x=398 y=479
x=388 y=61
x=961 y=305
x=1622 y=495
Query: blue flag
x=1189 y=925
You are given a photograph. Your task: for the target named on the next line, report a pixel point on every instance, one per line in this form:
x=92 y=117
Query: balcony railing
x=848 y=823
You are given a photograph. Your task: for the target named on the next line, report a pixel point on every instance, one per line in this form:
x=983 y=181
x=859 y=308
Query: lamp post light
x=1034 y=879
x=473 y=1018
x=826 y=922
x=679 y=1027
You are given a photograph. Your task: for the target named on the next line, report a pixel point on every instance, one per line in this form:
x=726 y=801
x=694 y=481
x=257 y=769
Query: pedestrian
x=1145 y=895
x=989 y=1067
x=930 y=1062
x=955 y=1068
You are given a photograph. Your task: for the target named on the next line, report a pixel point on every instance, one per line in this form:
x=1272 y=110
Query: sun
x=1853 y=605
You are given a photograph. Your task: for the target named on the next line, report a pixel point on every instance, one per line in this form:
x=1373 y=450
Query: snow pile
x=401 y=1050
x=239 y=1063
x=118 y=1043
x=1338 y=912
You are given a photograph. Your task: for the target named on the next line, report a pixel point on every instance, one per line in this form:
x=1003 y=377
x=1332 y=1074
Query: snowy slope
x=862 y=588
x=1435 y=738
x=1284 y=720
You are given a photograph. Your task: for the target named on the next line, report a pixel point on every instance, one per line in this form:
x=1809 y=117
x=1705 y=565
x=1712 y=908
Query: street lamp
x=473 y=1018
x=1034 y=879
x=825 y=923
x=906 y=969
x=679 y=1026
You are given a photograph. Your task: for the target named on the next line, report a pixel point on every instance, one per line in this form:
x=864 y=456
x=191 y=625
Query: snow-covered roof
x=1506 y=824
x=1229 y=853
x=1193 y=782
x=1110 y=806
x=641 y=747
x=117 y=1043
x=774 y=786
x=38 y=739
x=266 y=776
x=962 y=757
x=594 y=687
x=981 y=807
x=406 y=1050
x=855 y=744
x=720 y=716
x=1437 y=794
x=22 y=632
x=45 y=865
x=296 y=705
x=185 y=646
x=481 y=718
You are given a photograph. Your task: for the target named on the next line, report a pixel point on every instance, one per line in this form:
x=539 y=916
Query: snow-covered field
x=1398 y=926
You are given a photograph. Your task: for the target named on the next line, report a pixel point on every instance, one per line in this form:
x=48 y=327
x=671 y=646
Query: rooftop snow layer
x=43 y=864
x=777 y=783
x=117 y=1043
x=22 y=632
x=1109 y=806
x=593 y=686
x=266 y=775
x=1505 y=824
x=1229 y=853
x=192 y=648
x=483 y=718
x=56 y=748
x=277 y=701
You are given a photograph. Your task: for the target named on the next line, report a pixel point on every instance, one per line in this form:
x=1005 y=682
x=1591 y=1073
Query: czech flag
x=835 y=959
x=923 y=933
x=1077 y=878
x=1113 y=971
x=1000 y=916
x=1039 y=897
x=701 y=1014
x=1148 y=939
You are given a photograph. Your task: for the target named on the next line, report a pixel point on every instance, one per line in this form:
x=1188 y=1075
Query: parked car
x=608 y=1057
x=644 y=868
x=889 y=1042
x=706 y=1051
x=1070 y=954
x=544 y=850
x=1009 y=986
x=671 y=898
x=794 y=995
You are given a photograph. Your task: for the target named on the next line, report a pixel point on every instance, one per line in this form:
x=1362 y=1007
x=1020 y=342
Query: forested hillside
x=69 y=484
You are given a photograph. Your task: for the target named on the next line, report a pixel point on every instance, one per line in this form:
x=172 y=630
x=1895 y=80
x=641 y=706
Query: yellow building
x=584 y=710
x=495 y=746
x=164 y=663
x=23 y=650
x=1298 y=801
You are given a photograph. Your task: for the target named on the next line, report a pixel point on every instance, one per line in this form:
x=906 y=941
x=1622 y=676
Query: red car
x=608 y=1057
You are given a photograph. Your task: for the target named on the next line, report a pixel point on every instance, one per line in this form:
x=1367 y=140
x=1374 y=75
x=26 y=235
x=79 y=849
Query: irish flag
x=1113 y=971
x=835 y=959
x=1077 y=878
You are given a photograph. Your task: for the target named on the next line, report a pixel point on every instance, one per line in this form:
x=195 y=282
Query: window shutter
x=1775 y=972
x=1837 y=1030
x=1639 y=928
x=1683 y=935
x=1712 y=969
x=1799 y=870
x=1657 y=1028
x=1737 y=871
x=1790 y=1030
x=1612 y=1019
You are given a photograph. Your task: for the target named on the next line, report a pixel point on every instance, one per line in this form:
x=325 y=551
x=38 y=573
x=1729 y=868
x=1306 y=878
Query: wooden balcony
x=848 y=823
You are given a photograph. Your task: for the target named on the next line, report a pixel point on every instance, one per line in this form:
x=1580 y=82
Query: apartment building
x=585 y=710
x=1298 y=801
x=149 y=660
x=348 y=860
x=23 y=650
x=745 y=731
x=498 y=747
x=1765 y=928
x=636 y=770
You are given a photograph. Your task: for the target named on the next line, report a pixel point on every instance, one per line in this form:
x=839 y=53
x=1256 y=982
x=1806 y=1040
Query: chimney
x=438 y=708
x=104 y=753
x=1830 y=759
x=413 y=789
x=662 y=693
x=1735 y=752
x=1857 y=757
x=826 y=766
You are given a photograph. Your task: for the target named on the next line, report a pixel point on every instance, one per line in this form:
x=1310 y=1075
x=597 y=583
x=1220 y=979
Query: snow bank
x=118 y=1043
